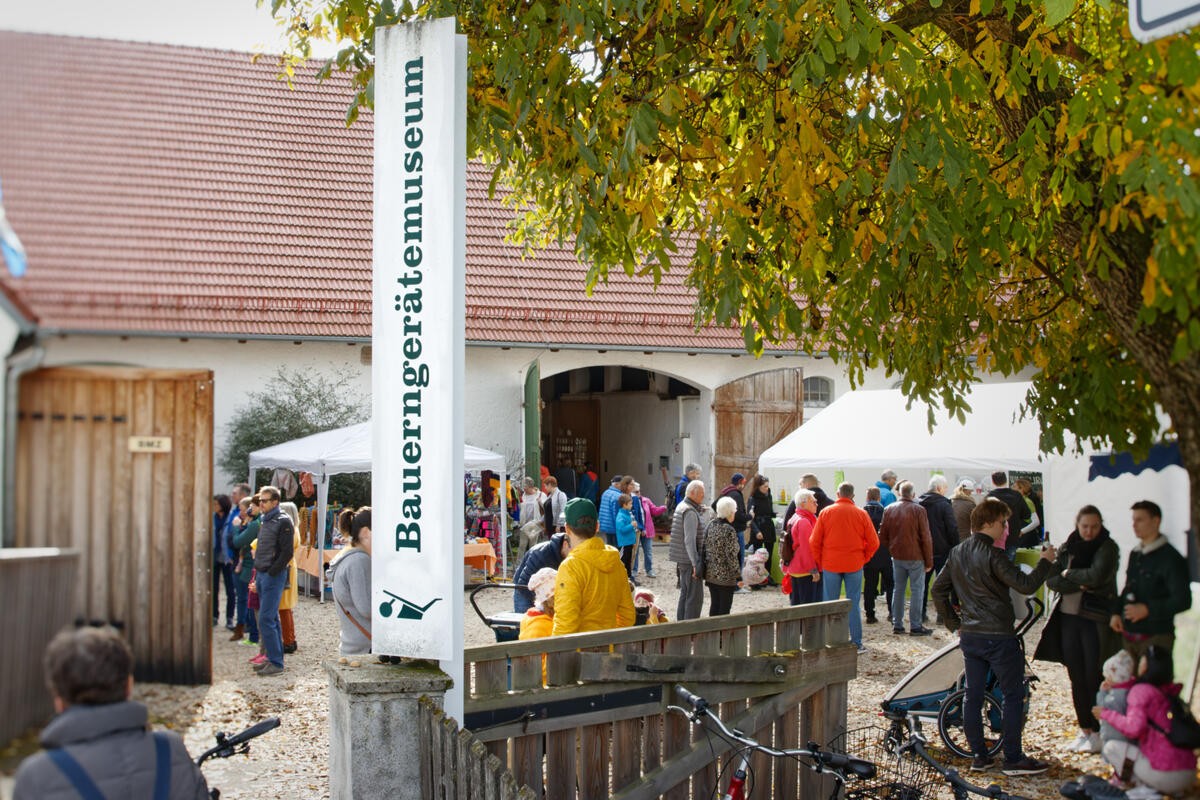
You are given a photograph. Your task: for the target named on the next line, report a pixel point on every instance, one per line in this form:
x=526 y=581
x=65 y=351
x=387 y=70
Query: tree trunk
x=1177 y=385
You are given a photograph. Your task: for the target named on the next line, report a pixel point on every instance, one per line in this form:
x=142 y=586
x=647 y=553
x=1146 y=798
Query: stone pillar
x=373 y=746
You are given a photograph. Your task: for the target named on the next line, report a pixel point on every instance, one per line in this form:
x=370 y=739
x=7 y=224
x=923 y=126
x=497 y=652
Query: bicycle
x=855 y=778
x=237 y=744
x=905 y=739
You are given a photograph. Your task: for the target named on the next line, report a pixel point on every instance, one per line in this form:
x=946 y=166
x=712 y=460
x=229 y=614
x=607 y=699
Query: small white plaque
x=149 y=444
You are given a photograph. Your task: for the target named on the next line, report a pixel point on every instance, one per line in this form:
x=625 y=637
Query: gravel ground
x=291 y=762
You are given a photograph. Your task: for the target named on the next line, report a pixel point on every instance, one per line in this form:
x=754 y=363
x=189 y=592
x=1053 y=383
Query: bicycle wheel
x=950 y=724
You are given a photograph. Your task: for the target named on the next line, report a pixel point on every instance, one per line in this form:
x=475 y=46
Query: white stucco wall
x=636 y=428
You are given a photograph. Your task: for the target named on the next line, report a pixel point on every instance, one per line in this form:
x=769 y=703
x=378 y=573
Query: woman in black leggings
x=1077 y=633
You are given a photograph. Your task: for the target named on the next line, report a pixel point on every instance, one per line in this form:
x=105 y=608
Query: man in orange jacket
x=842 y=542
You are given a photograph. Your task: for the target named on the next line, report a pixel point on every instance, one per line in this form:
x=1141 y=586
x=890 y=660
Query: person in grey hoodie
x=350 y=574
x=99 y=733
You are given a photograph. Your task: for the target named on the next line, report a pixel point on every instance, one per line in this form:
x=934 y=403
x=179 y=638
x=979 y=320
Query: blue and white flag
x=10 y=245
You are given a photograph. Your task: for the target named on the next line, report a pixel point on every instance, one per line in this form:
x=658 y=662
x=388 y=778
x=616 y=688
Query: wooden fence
x=456 y=766
x=37 y=593
x=584 y=716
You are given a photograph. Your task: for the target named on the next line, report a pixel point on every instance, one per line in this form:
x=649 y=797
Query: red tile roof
x=180 y=191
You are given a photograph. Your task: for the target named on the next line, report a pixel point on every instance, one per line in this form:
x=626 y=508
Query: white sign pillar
x=417 y=336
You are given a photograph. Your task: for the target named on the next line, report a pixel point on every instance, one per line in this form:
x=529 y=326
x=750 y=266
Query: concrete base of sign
x=373 y=746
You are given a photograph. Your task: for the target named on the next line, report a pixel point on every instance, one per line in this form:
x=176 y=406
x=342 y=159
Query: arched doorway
x=617 y=419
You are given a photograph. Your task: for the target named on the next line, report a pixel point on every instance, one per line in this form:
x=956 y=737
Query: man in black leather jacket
x=980 y=576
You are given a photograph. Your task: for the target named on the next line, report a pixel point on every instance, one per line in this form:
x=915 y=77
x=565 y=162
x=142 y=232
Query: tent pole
x=504 y=521
x=322 y=504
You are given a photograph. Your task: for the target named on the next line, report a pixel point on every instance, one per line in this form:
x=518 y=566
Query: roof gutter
x=593 y=347
x=350 y=340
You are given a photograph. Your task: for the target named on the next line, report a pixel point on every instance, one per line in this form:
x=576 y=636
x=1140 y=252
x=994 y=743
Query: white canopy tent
x=349 y=450
x=879 y=430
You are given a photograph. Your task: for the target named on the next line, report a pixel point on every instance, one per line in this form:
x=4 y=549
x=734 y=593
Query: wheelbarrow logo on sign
x=407 y=610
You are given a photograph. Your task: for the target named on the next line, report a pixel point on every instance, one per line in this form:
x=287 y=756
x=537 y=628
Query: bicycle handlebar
x=232 y=745
x=840 y=764
x=254 y=731
x=698 y=703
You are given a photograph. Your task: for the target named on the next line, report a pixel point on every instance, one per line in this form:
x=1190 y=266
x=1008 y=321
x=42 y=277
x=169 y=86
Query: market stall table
x=308 y=559
x=480 y=556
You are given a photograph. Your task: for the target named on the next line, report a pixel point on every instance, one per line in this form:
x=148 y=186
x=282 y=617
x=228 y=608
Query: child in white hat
x=539 y=620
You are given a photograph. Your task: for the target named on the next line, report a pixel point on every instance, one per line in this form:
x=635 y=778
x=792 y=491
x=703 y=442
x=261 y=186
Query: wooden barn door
x=753 y=413
x=117 y=462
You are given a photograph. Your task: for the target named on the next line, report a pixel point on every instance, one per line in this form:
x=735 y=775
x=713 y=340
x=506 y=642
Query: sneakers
x=269 y=670
x=898 y=631
x=261 y=658
x=1142 y=793
x=651 y=575
x=1096 y=788
x=862 y=648
x=1085 y=743
x=922 y=631
x=742 y=590
x=1026 y=766
x=982 y=763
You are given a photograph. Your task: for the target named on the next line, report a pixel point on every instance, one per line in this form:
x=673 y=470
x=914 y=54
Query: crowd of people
x=578 y=573
x=895 y=545
x=254 y=544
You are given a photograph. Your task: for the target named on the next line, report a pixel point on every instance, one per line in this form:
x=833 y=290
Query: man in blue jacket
x=607 y=519
x=547 y=554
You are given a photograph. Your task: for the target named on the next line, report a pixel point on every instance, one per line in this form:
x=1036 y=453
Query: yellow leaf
x=1150 y=284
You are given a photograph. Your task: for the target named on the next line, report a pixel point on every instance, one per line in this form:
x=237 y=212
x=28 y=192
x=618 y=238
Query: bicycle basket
x=897 y=777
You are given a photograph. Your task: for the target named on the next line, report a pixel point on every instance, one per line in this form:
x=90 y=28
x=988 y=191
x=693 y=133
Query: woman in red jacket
x=802 y=569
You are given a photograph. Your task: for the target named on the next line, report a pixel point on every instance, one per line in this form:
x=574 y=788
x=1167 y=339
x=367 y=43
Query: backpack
x=786 y=551
x=1183 y=731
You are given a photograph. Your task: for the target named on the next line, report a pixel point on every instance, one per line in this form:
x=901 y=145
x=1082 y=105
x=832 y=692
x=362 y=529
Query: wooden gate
x=753 y=413
x=117 y=463
x=595 y=724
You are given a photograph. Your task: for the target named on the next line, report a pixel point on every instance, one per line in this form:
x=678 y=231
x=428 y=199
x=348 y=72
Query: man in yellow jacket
x=592 y=591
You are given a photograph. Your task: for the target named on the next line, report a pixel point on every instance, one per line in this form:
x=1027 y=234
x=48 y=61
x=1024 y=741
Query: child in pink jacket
x=649 y=512
x=1148 y=754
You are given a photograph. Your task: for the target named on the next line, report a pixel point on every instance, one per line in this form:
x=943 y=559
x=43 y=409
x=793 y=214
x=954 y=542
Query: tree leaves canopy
x=924 y=186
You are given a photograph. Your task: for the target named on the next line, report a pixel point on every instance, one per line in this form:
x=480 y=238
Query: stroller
x=936 y=687
x=506 y=625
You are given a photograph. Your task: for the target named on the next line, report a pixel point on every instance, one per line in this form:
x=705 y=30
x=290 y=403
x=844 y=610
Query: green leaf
x=1057 y=11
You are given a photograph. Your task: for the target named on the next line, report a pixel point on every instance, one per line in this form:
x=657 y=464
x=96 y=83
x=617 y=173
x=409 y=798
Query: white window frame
x=826 y=388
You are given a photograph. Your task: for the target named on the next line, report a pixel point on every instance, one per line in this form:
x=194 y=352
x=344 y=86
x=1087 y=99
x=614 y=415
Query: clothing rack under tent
x=347 y=450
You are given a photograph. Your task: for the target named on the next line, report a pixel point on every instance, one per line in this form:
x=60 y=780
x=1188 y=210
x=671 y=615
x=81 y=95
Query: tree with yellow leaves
x=937 y=186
